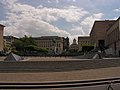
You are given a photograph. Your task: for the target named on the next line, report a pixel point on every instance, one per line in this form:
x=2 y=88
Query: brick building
x=1 y=36
x=83 y=41
x=113 y=37
x=106 y=33
x=54 y=44
x=99 y=32
x=8 y=40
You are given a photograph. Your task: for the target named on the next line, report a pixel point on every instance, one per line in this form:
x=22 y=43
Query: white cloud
x=25 y=19
x=77 y=30
x=40 y=6
x=117 y=10
x=74 y=0
x=70 y=14
x=8 y=1
x=98 y=15
x=34 y=27
x=51 y=1
x=87 y=23
x=84 y=26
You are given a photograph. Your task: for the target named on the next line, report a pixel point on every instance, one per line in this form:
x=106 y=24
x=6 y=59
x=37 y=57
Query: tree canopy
x=26 y=45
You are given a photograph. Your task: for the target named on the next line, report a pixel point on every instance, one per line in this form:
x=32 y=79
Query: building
x=74 y=46
x=113 y=37
x=8 y=40
x=106 y=34
x=99 y=32
x=83 y=41
x=1 y=37
x=54 y=44
x=66 y=44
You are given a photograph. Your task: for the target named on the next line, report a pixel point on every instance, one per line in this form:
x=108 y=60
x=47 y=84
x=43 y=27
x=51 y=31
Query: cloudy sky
x=68 y=18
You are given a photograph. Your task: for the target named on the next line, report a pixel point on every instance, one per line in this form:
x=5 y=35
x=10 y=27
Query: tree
x=28 y=40
x=27 y=45
x=18 y=44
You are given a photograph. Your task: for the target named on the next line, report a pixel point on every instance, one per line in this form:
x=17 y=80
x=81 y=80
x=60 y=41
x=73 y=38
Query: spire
x=74 y=41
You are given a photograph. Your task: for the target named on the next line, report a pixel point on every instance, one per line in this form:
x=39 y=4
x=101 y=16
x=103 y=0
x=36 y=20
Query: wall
x=83 y=40
x=113 y=37
x=1 y=37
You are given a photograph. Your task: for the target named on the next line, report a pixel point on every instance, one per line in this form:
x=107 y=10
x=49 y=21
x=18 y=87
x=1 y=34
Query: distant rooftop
x=47 y=37
x=83 y=36
x=102 y=24
x=2 y=25
x=9 y=37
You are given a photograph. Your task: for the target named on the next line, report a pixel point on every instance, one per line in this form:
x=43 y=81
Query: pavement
x=61 y=76
x=72 y=69
x=43 y=70
x=60 y=69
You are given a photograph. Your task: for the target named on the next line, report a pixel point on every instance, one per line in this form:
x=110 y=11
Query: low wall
x=57 y=66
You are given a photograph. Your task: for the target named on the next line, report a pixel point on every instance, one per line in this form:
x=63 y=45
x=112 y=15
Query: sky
x=64 y=18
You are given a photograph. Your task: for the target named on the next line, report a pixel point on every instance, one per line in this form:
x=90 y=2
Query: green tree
x=27 y=40
x=18 y=44
x=27 y=45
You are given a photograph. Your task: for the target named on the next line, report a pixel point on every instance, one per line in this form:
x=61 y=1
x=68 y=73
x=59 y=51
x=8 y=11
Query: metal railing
x=60 y=85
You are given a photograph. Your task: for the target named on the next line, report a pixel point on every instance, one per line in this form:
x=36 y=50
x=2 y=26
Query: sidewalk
x=61 y=76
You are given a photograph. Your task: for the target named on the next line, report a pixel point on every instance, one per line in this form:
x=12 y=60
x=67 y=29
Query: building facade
x=8 y=41
x=83 y=41
x=106 y=34
x=1 y=37
x=66 y=44
x=53 y=44
x=113 y=37
x=99 y=32
x=74 y=46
